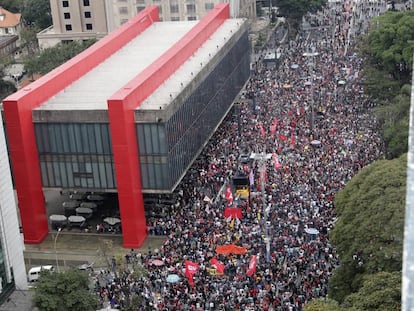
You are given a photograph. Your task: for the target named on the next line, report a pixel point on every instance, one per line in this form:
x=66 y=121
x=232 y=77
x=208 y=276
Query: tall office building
x=12 y=268
x=86 y=19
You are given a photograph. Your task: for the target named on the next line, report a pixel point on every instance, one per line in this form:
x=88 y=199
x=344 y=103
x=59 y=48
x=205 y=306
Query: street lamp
x=262 y=158
x=54 y=246
x=310 y=83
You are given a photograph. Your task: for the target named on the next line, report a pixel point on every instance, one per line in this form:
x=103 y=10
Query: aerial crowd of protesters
x=307 y=110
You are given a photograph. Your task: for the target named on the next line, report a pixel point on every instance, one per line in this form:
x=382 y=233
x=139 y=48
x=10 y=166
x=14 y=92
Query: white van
x=34 y=272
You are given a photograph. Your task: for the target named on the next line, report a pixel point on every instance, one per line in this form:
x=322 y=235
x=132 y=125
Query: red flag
x=191 y=268
x=273 y=127
x=219 y=266
x=292 y=140
x=229 y=195
x=252 y=265
x=262 y=131
x=276 y=161
x=282 y=137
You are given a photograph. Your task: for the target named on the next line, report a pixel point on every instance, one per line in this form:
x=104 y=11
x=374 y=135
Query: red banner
x=230 y=249
x=233 y=212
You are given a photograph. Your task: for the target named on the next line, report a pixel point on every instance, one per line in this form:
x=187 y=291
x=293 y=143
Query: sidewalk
x=73 y=249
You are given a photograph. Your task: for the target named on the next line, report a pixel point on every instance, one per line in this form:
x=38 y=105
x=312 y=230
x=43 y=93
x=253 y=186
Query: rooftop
x=9 y=19
x=91 y=91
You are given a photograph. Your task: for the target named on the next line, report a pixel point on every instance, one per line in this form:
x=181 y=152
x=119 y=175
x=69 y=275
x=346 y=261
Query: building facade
x=9 y=22
x=12 y=267
x=86 y=19
x=99 y=124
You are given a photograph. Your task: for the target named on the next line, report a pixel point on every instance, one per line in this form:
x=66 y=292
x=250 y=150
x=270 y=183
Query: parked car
x=34 y=273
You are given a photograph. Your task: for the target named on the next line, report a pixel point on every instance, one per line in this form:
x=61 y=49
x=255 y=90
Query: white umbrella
x=294 y=66
x=173 y=278
x=312 y=231
x=315 y=142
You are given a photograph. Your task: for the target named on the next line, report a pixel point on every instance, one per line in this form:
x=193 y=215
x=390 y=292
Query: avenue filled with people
x=309 y=124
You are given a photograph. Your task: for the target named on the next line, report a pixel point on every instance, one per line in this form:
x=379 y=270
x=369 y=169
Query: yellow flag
x=232 y=223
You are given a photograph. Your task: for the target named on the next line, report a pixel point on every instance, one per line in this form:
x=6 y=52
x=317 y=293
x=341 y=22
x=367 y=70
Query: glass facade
x=167 y=149
x=75 y=155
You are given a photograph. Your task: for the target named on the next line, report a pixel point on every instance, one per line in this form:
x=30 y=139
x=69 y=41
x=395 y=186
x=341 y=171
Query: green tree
x=379 y=292
x=389 y=45
x=294 y=10
x=368 y=234
x=64 y=291
x=37 y=14
x=51 y=58
x=323 y=304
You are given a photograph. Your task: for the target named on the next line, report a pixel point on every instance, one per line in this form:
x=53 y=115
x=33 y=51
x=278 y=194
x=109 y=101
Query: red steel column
x=26 y=171
x=128 y=175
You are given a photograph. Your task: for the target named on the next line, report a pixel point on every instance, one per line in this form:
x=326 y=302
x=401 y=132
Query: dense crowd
x=310 y=113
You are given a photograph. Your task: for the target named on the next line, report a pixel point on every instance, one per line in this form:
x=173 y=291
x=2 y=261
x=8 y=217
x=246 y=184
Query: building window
x=140 y=8
x=66 y=15
x=88 y=26
x=68 y=27
x=86 y=3
x=174 y=8
x=175 y=19
x=159 y=9
x=190 y=8
x=123 y=21
x=88 y=14
x=208 y=6
x=192 y=18
x=65 y=4
x=123 y=10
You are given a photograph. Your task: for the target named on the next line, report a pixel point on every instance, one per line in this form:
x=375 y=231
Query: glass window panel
x=91 y=138
x=57 y=181
x=141 y=139
x=49 y=169
x=69 y=170
x=106 y=138
x=98 y=138
x=71 y=137
x=85 y=139
x=148 y=138
x=102 y=175
x=45 y=181
x=64 y=177
x=155 y=138
x=52 y=139
x=109 y=175
x=96 y=179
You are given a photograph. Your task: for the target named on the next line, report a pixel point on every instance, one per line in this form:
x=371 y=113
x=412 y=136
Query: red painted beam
x=20 y=130
x=121 y=108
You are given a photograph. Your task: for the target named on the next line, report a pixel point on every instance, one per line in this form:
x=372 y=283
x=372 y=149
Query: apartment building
x=86 y=19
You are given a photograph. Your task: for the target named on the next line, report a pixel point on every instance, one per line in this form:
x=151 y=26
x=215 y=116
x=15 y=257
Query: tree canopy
x=65 y=291
x=294 y=10
x=51 y=58
x=387 y=51
x=37 y=14
x=390 y=44
x=368 y=234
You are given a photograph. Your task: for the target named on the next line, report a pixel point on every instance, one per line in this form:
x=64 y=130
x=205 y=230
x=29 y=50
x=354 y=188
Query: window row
x=87 y=14
x=66 y=3
x=69 y=138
